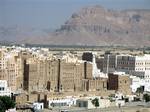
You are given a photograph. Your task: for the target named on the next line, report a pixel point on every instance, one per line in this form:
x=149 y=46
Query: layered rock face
x=99 y=26
x=96 y=25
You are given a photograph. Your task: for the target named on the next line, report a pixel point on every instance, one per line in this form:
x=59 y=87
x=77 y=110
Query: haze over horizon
x=51 y=14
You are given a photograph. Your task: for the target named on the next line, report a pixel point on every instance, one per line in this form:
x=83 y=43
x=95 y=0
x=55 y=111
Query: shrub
x=95 y=102
x=6 y=103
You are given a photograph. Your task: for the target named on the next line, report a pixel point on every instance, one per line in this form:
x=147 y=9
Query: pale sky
x=53 y=13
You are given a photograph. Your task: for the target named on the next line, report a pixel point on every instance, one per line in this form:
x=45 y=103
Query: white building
x=38 y=106
x=120 y=103
x=142 y=63
x=11 y=110
x=87 y=103
x=4 y=90
x=62 y=102
x=138 y=66
x=126 y=63
x=138 y=82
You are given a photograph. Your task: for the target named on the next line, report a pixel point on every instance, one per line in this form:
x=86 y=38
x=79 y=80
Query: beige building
x=60 y=76
x=52 y=68
x=120 y=83
x=98 y=84
x=71 y=75
x=11 y=69
x=37 y=72
x=34 y=77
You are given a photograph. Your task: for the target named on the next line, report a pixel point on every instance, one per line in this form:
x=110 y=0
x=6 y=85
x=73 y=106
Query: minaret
x=94 y=67
x=107 y=64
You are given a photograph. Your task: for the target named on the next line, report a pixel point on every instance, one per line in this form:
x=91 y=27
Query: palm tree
x=95 y=102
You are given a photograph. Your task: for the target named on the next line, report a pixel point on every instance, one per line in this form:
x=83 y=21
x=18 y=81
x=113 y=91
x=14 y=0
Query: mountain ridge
x=95 y=25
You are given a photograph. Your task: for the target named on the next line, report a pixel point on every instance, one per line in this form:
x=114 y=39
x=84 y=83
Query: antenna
x=107 y=63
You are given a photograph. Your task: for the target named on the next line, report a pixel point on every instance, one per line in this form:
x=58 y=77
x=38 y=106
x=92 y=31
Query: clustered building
x=138 y=66
x=38 y=70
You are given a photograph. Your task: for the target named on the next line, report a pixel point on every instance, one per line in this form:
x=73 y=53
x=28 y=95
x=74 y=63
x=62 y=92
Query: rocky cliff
x=96 y=25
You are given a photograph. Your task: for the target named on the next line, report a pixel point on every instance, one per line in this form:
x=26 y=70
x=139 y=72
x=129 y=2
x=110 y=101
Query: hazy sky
x=53 y=13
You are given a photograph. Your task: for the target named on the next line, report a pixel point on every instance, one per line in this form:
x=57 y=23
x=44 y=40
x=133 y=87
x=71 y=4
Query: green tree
x=95 y=102
x=146 y=97
x=6 y=103
x=140 y=90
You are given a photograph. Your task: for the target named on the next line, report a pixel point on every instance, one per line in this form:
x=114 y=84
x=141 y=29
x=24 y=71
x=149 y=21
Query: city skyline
x=74 y=55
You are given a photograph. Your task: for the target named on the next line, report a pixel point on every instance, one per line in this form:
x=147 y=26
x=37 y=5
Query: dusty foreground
x=129 y=107
x=112 y=109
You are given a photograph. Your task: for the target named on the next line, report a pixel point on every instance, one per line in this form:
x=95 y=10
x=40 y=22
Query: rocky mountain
x=96 y=25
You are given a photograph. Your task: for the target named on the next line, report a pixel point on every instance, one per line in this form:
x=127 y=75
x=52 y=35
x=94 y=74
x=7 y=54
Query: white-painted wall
x=38 y=106
x=4 y=89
